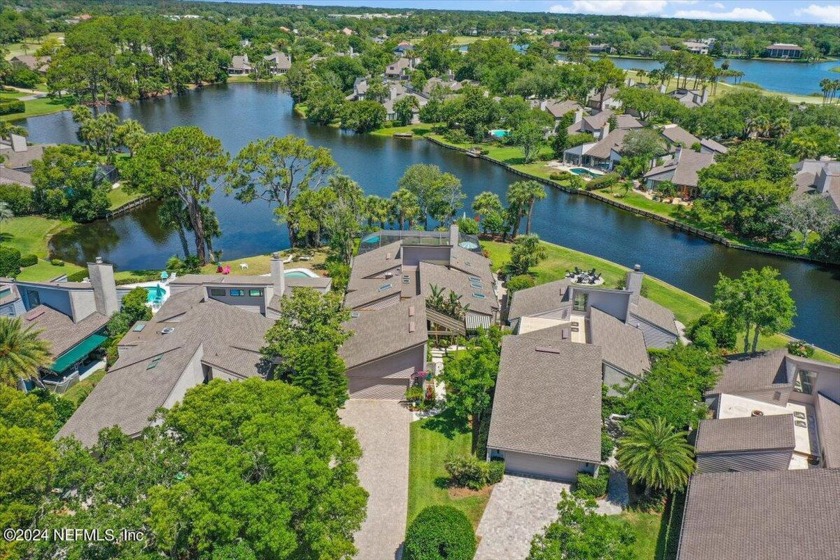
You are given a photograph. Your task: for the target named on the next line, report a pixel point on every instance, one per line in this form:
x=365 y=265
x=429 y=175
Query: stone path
x=382 y=427
x=519 y=508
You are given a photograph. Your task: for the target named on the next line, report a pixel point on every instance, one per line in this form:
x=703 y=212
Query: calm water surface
x=240 y=113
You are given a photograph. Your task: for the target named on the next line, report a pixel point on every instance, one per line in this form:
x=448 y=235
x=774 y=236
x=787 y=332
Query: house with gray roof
x=240 y=66
x=597 y=123
x=749 y=443
x=387 y=350
x=401 y=68
x=761 y=514
x=278 y=63
x=546 y=419
x=188 y=342
x=16 y=157
x=819 y=178
x=683 y=171
x=805 y=391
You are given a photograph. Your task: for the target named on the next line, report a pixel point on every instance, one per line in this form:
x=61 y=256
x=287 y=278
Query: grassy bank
x=119 y=197
x=433 y=440
x=685 y=306
x=39 y=107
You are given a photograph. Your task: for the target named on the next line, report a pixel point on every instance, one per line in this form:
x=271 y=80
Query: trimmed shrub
x=56 y=262
x=9 y=261
x=560 y=175
x=588 y=486
x=607 y=445
x=28 y=260
x=12 y=106
x=19 y=199
x=77 y=276
x=468 y=472
x=496 y=471
x=439 y=533
x=519 y=282
x=603 y=182
x=467 y=226
x=800 y=348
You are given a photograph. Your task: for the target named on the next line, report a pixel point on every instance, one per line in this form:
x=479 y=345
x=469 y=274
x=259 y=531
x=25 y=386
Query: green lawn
x=44 y=271
x=432 y=441
x=29 y=234
x=40 y=106
x=119 y=196
x=416 y=129
x=646 y=527
x=77 y=392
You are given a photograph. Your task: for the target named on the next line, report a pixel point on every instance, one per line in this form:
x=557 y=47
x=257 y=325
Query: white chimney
x=579 y=115
x=278 y=274
x=101 y=277
x=605 y=130
x=454 y=236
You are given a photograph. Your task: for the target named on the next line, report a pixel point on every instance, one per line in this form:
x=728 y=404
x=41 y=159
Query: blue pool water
x=295 y=274
x=499 y=133
x=155 y=293
x=581 y=171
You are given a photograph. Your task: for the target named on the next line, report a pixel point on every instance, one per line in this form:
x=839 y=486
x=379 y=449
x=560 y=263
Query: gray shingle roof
x=710 y=144
x=678 y=135
x=753 y=433
x=59 y=330
x=548 y=399
x=612 y=141
x=761 y=515
x=131 y=391
x=685 y=169
x=655 y=314
x=381 y=333
x=622 y=345
x=459 y=282
x=536 y=300
x=828 y=420
x=750 y=372
x=377 y=261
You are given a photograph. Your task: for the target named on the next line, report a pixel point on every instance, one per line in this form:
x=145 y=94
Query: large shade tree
x=180 y=165
x=276 y=170
x=438 y=193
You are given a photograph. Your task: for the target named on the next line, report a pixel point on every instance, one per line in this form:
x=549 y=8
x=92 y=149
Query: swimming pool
x=499 y=133
x=299 y=273
x=155 y=294
x=582 y=172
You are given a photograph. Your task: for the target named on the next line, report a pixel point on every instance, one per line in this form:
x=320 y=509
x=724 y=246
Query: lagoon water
x=239 y=113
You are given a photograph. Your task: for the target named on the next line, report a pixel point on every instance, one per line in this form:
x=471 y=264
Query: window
x=237 y=293
x=256 y=292
x=34 y=298
x=5 y=292
x=580 y=302
x=217 y=292
x=804 y=381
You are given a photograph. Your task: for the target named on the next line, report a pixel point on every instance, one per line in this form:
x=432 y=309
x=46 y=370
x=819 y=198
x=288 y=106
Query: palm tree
x=656 y=455
x=522 y=195
x=825 y=86
x=403 y=206
x=5 y=212
x=22 y=353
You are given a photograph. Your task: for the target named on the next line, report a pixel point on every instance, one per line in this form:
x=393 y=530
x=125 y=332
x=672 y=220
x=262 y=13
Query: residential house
x=347 y=31
x=401 y=69
x=676 y=135
x=397 y=92
x=387 y=350
x=709 y=146
x=603 y=154
x=783 y=50
x=360 y=89
x=35 y=63
x=403 y=47
x=546 y=418
x=278 y=63
x=599 y=48
x=559 y=109
x=608 y=100
x=690 y=98
x=17 y=157
x=760 y=514
x=597 y=123
x=696 y=47
x=683 y=171
x=240 y=66
x=819 y=178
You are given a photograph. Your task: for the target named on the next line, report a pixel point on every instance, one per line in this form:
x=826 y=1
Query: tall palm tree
x=21 y=351
x=825 y=86
x=522 y=196
x=655 y=454
x=404 y=207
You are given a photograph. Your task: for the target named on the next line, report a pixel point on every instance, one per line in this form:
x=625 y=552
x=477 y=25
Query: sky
x=796 y=11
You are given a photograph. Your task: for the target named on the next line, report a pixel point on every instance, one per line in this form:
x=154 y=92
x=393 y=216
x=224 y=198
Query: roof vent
x=167 y=330
x=354 y=314
x=637 y=267
x=547 y=349
x=98 y=260
x=412 y=326
x=411 y=311
x=388 y=256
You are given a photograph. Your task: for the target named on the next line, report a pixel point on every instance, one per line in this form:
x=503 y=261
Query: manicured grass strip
x=44 y=271
x=118 y=197
x=416 y=129
x=28 y=234
x=40 y=106
x=646 y=527
x=433 y=440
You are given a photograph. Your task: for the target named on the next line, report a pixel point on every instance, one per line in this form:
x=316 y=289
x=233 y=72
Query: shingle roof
x=228 y=279
x=710 y=144
x=459 y=282
x=753 y=433
x=367 y=291
x=828 y=420
x=381 y=333
x=621 y=345
x=536 y=300
x=59 y=330
x=678 y=135
x=761 y=514
x=548 y=399
x=131 y=391
x=750 y=372
x=655 y=314
x=377 y=261
x=612 y=141
x=559 y=108
x=685 y=168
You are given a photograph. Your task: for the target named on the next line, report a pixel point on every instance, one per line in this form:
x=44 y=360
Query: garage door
x=377 y=388
x=543 y=467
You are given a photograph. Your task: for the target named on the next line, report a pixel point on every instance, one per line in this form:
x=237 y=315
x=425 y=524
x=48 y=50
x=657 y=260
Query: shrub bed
x=10 y=107
x=473 y=473
x=588 y=486
x=603 y=182
x=28 y=260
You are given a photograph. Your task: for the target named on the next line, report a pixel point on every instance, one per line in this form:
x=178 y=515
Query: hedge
x=588 y=486
x=473 y=473
x=439 y=533
x=9 y=261
x=12 y=106
x=28 y=260
x=603 y=182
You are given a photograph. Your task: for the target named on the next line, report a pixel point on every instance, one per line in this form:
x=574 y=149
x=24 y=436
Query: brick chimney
x=101 y=276
x=278 y=274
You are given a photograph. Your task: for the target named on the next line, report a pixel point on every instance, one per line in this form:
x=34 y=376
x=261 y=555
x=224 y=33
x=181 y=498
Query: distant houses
x=276 y=63
x=783 y=50
x=17 y=157
x=819 y=178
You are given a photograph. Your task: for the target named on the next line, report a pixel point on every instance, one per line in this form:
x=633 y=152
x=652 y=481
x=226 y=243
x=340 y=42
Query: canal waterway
x=239 y=113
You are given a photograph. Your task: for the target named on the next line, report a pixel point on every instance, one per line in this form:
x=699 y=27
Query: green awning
x=78 y=352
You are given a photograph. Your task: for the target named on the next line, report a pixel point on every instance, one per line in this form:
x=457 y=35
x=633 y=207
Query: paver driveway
x=382 y=427
x=519 y=508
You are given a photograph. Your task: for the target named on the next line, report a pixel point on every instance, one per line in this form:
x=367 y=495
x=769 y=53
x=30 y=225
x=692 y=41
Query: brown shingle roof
x=750 y=372
x=753 y=433
x=381 y=333
x=828 y=421
x=59 y=330
x=612 y=141
x=536 y=300
x=548 y=399
x=678 y=135
x=760 y=515
x=685 y=168
x=622 y=345
x=655 y=314
x=459 y=282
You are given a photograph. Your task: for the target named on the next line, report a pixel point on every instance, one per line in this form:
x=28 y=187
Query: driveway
x=382 y=427
x=519 y=508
